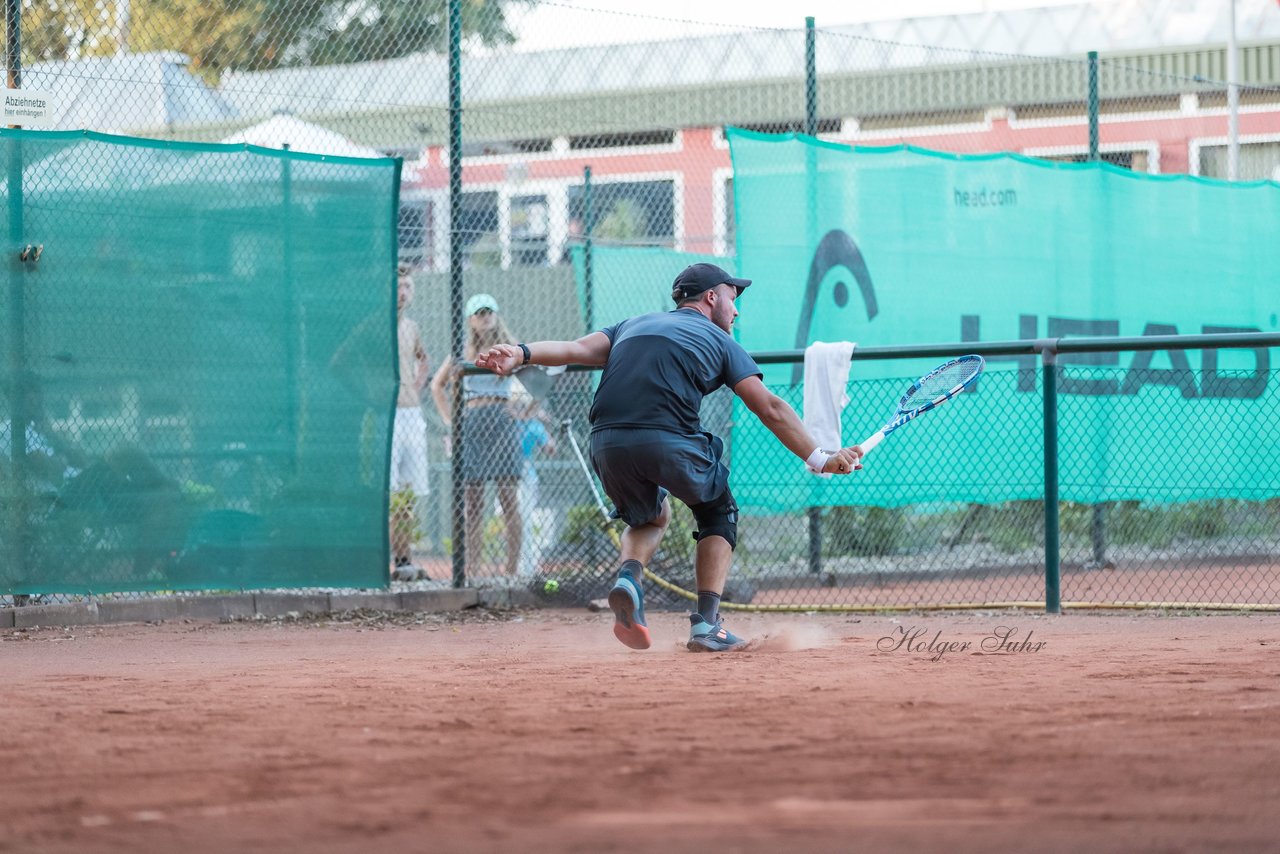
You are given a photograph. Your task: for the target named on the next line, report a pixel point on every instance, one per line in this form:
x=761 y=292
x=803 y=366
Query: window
x=1259 y=161
x=622 y=140
x=498 y=147
x=415 y=233
x=530 y=226
x=477 y=229
x=640 y=213
x=1136 y=161
x=829 y=126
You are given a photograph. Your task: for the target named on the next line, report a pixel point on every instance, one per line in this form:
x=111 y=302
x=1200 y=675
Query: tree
x=64 y=29
x=257 y=35
x=625 y=222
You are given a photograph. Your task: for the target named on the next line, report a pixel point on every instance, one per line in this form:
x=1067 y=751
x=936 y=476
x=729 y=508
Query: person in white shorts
x=409 y=473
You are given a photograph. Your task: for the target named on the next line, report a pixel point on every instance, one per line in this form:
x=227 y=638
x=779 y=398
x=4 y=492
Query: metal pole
x=1093 y=105
x=13 y=42
x=1099 y=533
x=811 y=128
x=1099 y=512
x=292 y=341
x=19 y=416
x=455 y=284
x=810 y=78
x=124 y=17
x=815 y=540
x=1052 y=567
x=1233 y=97
x=588 y=267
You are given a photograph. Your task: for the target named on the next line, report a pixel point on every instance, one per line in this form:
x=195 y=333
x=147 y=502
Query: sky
x=555 y=23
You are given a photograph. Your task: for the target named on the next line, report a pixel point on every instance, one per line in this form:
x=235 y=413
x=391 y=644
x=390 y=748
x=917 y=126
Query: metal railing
x=767 y=574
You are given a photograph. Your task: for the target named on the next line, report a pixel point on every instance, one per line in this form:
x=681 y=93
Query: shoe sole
x=625 y=627
x=696 y=645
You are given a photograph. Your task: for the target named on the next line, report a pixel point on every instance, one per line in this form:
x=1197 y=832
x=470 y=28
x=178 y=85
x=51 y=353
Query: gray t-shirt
x=660 y=368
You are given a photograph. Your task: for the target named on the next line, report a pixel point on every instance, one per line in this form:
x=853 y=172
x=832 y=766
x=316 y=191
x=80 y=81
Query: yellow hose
x=964 y=606
x=949 y=606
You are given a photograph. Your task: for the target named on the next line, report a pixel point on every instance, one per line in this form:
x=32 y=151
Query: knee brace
x=717 y=518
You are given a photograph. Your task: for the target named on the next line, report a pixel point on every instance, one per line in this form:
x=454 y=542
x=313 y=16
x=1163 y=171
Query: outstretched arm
x=782 y=421
x=591 y=350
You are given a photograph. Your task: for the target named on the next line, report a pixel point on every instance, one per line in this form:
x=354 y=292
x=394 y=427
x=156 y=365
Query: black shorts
x=639 y=467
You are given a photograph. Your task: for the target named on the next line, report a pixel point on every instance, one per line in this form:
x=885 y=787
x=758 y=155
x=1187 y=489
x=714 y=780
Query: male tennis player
x=647 y=439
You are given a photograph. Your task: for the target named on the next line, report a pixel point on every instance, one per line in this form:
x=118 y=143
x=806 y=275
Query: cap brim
x=740 y=284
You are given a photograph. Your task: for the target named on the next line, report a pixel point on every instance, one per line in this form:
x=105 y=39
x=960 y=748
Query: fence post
x=1099 y=530
x=1093 y=105
x=456 y=324
x=1233 y=96
x=1099 y=527
x=19 y=416
x=293 y=342
x=588 y=267
x=811 y=129
x=20 y=413
x=13 y=42
x=810 y=79
x=1052 y=579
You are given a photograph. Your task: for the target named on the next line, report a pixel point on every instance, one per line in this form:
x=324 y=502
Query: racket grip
x=875 y=439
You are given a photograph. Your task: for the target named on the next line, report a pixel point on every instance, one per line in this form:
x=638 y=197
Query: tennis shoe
x=626 y=600
x=711 y=637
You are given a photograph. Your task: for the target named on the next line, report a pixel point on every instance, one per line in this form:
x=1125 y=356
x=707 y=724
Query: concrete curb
x=500 y=599
x=248 y=605
x=387 y=601
x=137 y=610
x=74 y=614
x=282 y=604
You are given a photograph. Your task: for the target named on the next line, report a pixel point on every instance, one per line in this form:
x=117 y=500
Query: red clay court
x=537 y=731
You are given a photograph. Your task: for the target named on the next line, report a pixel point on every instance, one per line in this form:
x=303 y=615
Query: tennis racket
x=931 y=390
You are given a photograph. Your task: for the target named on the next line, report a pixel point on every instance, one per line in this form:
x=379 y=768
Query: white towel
x=826 y=390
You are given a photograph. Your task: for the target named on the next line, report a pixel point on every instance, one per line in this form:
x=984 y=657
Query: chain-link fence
x=583 y=159
x=1152 y=511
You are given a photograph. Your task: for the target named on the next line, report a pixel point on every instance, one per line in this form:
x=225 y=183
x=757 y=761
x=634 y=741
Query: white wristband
x=817 y=460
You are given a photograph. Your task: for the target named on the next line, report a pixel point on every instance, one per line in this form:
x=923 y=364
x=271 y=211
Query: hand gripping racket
x=936 y=387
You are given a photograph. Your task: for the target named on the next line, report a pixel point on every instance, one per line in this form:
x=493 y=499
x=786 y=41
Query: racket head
x=941 y=384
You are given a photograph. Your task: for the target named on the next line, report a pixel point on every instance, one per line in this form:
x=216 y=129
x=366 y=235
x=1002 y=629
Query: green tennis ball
x=551 y=586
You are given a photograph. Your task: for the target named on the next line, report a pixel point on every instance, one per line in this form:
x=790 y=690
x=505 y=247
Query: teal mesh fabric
x=631 y=280
x=204 y=357
x=895 y=246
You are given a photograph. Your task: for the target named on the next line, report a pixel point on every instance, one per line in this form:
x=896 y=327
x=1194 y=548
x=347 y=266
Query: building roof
x=283 y=130
x=136 y=92
x=1069 y=30
x=913 y=65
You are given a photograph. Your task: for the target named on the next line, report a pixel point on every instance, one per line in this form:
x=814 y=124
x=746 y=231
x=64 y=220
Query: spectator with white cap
x=490 y=437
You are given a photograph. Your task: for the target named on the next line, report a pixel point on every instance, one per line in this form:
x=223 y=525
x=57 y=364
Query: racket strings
x=942 y=381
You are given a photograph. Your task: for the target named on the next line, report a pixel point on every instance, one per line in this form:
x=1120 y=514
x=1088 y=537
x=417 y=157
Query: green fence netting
x=899 y=245
x=201 y=346
x=627 y=281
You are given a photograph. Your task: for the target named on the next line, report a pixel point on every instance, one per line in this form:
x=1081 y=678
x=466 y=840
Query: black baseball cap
x=697 y=278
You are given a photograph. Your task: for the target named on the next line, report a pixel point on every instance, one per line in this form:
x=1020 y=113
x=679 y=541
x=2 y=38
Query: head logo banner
x=895 y=246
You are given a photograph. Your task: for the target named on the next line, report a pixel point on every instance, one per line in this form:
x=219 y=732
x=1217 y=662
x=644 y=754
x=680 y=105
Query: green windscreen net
x=897 y=246
x=199 y=366
x=629 y=280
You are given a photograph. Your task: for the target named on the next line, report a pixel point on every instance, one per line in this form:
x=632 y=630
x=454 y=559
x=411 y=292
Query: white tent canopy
x=283 y=129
